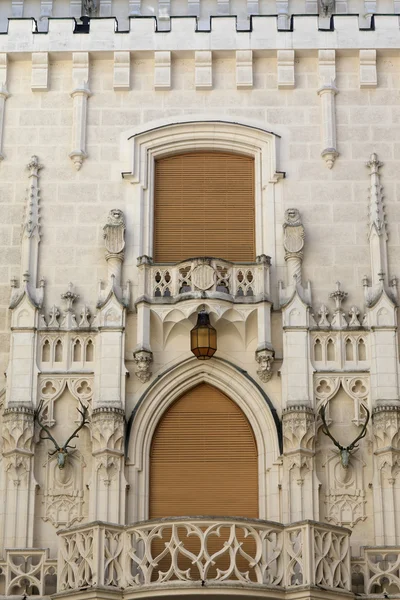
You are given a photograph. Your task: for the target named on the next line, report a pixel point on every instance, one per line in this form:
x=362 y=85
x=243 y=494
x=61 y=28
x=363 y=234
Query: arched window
x=318 y=350
x=204 y=205
x=89 y=351
x=362 y=351
x=203 y=459
x=58 y=351
x=46 y=351
x=349 y=350
x=330 y=350
x=77 y=354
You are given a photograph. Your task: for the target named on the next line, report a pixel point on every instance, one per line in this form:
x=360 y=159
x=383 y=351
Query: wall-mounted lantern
x=203 y=337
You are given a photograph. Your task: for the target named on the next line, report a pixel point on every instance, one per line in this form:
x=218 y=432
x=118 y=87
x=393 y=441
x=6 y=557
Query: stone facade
x=86 y=107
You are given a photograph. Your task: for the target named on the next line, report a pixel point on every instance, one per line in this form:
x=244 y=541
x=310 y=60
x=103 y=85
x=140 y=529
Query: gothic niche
x=63 y=489
x=343 y=494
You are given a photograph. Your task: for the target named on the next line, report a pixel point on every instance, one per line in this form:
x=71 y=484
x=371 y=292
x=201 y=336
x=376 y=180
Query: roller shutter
x=204 y=206
x=204 y=459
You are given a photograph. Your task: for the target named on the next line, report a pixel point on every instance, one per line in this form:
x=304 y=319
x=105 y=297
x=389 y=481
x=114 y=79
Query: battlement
x=263 y=34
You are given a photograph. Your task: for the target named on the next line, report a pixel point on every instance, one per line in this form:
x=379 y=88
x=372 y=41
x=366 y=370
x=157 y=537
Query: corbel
x=3 y=97
x=122 y=70
x=285 y=69
x=162 y=70
x=203 y=69
x=368 y=75
x=244 y=68
x=40 y=71
x=327 y=92
x=80 y=95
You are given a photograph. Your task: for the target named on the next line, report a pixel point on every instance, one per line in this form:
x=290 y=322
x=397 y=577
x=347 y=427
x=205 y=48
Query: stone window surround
x=144 y=146
x=169 y=388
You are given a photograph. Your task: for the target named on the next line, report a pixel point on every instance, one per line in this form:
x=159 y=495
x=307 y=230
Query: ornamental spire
x=30 y=239
x=377 y=237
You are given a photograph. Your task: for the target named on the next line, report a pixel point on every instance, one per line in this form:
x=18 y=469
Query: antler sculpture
x=61 y=451
x=344 y=452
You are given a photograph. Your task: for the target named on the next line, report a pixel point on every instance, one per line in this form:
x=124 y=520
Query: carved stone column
x=300 y=487
x=143 y=356
x=386 y=488
x=108 y=487
x=327 y=92
x=80 y=95
x=18 y=484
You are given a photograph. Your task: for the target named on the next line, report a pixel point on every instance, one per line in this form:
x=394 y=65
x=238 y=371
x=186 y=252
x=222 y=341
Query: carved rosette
x=143 y=360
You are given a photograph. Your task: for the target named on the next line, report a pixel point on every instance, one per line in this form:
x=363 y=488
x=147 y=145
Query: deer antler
x=49 y=436
x=84 y=414
x=325 y=428
x=363 y=431
x=344 y=451
x=62 y=451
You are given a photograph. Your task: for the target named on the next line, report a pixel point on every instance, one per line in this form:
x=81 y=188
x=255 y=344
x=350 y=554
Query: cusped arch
x=170 y=386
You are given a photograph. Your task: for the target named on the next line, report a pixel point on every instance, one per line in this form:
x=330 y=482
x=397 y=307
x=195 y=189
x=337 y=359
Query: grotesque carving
x=265 y=359
x=114 y=232
x=344 y=451
x=62 y=451
x=143 y=360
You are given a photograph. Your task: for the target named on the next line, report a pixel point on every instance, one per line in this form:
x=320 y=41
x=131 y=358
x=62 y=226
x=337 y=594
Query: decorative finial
x=338 y=296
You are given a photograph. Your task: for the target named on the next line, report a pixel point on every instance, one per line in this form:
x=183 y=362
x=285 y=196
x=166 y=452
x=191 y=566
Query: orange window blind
x=204 y=206
x=203 y=459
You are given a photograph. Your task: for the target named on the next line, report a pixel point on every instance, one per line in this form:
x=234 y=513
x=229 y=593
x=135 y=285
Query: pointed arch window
x=203 y=458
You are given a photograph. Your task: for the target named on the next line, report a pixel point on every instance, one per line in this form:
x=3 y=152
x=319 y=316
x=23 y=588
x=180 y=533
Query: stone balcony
x=195 y=556
x=188 y=556
x=206 y=278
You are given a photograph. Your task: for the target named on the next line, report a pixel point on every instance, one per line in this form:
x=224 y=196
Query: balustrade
x=242 y=551
x=210 y=275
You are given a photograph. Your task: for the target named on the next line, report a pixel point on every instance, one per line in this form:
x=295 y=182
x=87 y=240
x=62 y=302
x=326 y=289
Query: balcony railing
x=178 y=551
x=211 y=276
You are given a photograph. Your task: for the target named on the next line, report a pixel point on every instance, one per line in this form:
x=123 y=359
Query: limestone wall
x=314 y=107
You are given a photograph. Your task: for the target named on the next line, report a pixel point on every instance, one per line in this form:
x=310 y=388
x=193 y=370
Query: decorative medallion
x=203 y=277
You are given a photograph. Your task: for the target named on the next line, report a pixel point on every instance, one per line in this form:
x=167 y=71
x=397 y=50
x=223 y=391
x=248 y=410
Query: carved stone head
x=292 y=217
x=116 y=218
